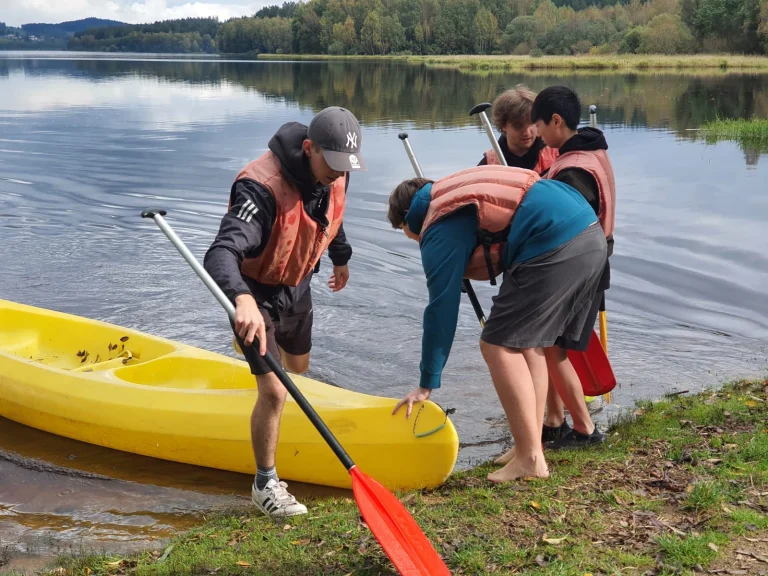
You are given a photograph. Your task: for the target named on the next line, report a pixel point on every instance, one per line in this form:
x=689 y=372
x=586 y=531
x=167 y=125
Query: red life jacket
x=297 y=241
x=596 y=163
x=547 y=156
x=496 y=191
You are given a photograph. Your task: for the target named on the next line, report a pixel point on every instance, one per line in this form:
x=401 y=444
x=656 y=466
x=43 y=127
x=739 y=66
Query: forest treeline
x=436 y=27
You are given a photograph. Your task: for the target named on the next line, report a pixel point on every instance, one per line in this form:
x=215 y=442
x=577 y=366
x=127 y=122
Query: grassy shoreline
x=681 y=486
x=752 y=132
x=607 y=62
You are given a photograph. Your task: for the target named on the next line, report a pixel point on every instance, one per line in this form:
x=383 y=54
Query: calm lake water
x=87 y=141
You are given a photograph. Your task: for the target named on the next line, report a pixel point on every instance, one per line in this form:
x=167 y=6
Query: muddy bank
x=59 y=495
x=46 y=510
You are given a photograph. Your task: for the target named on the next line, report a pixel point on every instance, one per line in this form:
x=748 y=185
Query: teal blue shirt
x=551 y=213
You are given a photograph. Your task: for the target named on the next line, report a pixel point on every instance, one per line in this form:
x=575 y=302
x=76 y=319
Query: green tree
x=453 y=30
x=454 y=27
x=522 y=8
x=522 y=30
x=725 y=20
x=578 y=35
x=392 y=34
x=361 y=9
x=547 y=17
x=619 y=16
x=345 y=35
x=486 y=31
x=666 y=34
x=762 y=28
x=502 y=10
x=275 y=34
x=418 y=38
x=429 y=11
x=688 y=12
x=306 y=30
x=371 y=34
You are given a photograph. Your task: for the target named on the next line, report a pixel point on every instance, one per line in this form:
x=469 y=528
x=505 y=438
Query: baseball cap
x=337 y=132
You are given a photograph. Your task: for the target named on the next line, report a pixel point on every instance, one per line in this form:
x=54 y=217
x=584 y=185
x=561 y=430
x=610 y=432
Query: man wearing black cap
x=285 y=208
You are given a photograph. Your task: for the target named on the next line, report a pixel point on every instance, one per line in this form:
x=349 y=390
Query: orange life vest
x=596 y=163
x=297 y=241
x=547 y=156
x=496 y=191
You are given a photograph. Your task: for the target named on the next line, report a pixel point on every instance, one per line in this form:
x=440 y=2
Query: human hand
x=249 y=322
x=339 y=278
x=418 y=395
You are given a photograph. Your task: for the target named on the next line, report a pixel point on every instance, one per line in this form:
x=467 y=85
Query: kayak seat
x=74 y=345
x=189 y=373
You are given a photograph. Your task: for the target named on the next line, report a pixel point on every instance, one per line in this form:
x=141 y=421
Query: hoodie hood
x=417 y=213
x=527 y=160
x=287 y=145
x=588 y=139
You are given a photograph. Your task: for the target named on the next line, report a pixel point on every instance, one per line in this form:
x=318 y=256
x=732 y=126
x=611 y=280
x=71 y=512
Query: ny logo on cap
x=351 y=140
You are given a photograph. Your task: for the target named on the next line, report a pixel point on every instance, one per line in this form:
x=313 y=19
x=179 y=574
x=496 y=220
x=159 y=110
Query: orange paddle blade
x=392 y=525
x=593 y=368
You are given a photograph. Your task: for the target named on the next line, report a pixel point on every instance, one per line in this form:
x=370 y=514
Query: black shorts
x=292 y=331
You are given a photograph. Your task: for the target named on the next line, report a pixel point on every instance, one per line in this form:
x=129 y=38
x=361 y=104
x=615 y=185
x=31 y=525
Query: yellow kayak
x=123 y=389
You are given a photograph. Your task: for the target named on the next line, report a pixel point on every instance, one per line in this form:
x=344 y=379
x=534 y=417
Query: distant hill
x=66 y=29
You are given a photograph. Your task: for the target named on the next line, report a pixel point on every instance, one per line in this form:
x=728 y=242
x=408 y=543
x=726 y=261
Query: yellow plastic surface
x=73 y=377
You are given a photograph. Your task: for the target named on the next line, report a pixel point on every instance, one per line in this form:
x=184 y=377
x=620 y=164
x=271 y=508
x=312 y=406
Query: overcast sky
x=18 y=12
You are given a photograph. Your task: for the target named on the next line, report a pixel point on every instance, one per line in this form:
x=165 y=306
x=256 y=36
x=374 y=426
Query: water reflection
x=382 y=93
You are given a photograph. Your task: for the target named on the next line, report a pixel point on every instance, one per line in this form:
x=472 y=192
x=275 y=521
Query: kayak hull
x=126 y=390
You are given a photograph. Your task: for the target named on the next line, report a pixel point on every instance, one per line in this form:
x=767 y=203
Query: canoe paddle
x=603 y=313
x=592 y=367
x=392 y=525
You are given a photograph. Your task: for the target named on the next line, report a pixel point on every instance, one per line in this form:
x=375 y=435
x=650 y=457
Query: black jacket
x=587 y=139
x=527 y=160
x=245 y=229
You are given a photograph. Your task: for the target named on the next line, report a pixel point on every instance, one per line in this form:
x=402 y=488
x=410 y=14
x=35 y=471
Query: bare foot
x=507 y=457
x=536 y=467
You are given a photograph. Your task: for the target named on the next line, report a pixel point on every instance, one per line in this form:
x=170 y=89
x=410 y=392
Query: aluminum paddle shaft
x=341 y=454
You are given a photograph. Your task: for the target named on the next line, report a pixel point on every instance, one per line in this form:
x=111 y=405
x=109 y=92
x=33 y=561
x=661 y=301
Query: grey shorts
x=549 y=296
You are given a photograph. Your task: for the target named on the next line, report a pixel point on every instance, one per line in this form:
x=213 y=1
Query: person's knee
x=271 y=390
x=296 y=364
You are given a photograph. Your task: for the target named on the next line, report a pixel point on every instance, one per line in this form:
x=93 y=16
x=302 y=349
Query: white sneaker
x=275 y=500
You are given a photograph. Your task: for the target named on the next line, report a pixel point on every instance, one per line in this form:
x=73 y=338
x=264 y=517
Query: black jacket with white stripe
x=245 y=229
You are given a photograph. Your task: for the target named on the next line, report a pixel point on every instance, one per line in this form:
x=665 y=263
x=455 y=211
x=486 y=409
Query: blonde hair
x=513 y=106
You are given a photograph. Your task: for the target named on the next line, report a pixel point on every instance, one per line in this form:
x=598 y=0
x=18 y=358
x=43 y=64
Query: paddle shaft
x=293 y=390
x=603 y=313
x=489 y=131
x=467 y=285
